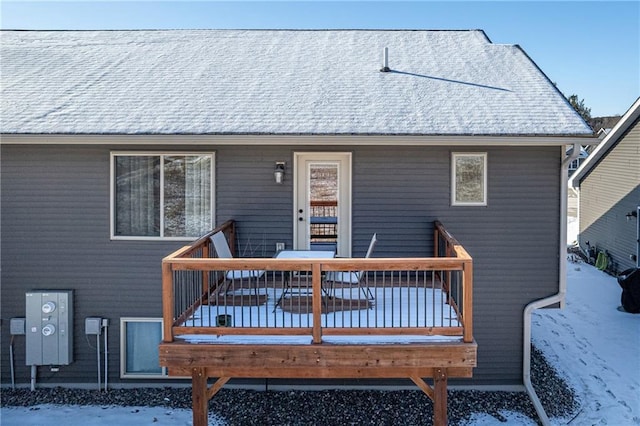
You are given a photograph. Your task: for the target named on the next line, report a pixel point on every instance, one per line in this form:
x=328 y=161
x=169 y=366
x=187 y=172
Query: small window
x=161 y=195
x=469 y=179
x=139 y=339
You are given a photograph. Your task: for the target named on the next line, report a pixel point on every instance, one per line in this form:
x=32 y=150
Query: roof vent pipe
x=385 y=60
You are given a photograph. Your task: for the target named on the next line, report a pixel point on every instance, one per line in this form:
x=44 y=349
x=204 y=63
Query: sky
x=588 y=48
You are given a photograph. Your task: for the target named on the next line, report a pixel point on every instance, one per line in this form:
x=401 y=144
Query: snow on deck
x=275 y=82
x=393 y=307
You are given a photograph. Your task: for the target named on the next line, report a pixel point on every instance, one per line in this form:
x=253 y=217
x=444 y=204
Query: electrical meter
x=49 y=327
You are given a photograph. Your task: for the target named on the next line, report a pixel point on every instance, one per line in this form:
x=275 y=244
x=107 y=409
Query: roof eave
x=292 y=139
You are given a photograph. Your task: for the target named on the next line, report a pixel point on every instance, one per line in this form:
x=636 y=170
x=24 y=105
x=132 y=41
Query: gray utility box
x=49 y=327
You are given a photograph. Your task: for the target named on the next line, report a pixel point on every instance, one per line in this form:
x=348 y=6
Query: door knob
x=300 y=219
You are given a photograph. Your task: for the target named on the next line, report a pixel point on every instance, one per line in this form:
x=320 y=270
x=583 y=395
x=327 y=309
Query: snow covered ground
x=45 y=415
x=595 y=347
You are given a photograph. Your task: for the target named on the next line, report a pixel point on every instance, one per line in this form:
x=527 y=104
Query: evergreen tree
x=579 y=106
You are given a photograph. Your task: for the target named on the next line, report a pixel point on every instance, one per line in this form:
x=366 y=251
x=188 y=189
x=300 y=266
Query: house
x=609 y=196
x=582 y=156
x=120 y=147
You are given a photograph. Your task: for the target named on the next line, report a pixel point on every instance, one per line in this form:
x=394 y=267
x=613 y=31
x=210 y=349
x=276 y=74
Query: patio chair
x=223 y=251
x=352 y=277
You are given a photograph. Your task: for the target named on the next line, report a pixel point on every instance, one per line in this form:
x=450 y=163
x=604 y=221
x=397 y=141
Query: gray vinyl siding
x=55 y=234
x=607 y=194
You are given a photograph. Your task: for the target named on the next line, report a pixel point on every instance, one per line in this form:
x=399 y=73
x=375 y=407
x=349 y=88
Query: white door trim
x=301 y=160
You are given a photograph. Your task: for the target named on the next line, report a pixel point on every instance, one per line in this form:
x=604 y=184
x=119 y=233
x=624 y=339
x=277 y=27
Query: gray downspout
x=552 y=300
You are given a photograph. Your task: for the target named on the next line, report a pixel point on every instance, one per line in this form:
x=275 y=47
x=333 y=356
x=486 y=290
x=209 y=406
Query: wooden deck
x=417 y=324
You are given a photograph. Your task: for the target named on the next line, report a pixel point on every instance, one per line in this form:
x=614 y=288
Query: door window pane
x=323 y=208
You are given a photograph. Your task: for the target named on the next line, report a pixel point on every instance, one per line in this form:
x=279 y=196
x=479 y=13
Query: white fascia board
x=296 y=140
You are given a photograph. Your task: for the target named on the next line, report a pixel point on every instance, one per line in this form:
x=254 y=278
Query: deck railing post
x=467 y=295
x=167 y=300
x=316 y=285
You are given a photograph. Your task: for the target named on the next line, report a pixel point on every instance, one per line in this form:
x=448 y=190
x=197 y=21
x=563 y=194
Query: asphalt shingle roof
x=275 y=82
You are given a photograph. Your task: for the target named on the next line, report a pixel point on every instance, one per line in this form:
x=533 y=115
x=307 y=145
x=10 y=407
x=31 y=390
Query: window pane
x=469 y=179
x=187 y=195
x=142 y=347
x=137 y=189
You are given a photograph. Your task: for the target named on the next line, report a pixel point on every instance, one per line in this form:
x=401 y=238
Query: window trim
x=112 y=189
x=123 y=349
x=454 y=156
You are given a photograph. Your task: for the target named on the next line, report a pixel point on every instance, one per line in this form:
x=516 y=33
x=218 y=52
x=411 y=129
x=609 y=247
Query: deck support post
x=199 y=396
x=437 y=394
x=440 y=397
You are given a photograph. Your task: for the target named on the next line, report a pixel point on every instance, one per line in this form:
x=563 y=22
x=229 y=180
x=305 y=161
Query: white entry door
x=322 y=202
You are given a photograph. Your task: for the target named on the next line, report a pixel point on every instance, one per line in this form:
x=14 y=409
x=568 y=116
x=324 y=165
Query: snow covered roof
x=305 y=82
x=610 y=140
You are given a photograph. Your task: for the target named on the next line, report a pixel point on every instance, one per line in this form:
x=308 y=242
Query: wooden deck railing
x=395 y=297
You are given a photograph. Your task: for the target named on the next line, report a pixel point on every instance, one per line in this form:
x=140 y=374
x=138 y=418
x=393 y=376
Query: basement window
x=139 y=339
x=469 y=179
x=161 y=195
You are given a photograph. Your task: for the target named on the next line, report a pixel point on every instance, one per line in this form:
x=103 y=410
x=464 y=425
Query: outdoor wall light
x=278 y=173
x=631 y=214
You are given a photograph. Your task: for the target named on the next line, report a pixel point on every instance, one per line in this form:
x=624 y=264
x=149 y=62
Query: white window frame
x=456 y=155
x=123 y=349
x=112 y=194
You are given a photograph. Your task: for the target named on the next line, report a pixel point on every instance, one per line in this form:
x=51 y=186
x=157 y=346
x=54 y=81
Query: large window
x=161 y=195
x=469 y=179
x=139 y=356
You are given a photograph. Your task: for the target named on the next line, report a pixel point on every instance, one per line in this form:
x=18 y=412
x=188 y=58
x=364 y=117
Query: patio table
x=300 y=254
x=305 y=254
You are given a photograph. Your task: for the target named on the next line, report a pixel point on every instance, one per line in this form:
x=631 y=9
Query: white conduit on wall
x=13 y=373
x=552 y=300
x=98 y=354
x=105 y=325
x=95 y=326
